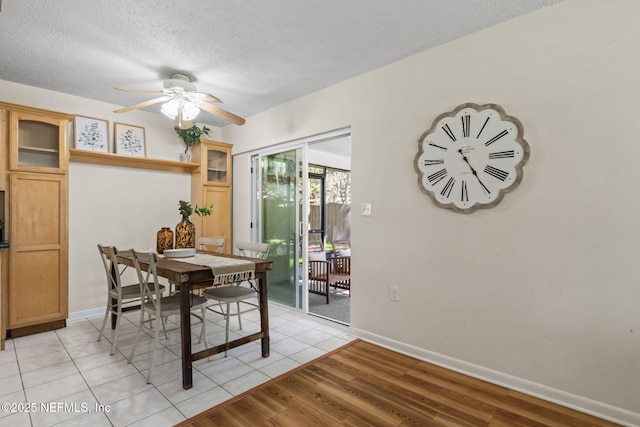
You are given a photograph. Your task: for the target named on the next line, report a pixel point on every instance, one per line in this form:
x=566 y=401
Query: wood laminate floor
x=363 y=384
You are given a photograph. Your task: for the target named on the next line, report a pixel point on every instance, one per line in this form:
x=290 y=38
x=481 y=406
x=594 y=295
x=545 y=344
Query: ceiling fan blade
x=143 y=104
x=124 y=89
x=206 y=96
x=217 y=111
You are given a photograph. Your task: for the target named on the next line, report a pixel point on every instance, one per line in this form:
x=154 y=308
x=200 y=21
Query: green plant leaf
x=192 y=135
x=186 y=210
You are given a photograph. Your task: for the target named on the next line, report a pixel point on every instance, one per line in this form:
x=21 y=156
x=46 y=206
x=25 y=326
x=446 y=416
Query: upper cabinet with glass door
x=215 y=162
x=38 y=142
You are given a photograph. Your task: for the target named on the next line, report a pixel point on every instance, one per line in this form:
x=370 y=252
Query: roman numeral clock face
x=471 y=157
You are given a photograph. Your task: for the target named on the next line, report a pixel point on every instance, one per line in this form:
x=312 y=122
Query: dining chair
x=212 y=244
x=158 y=306
x=117 y=295
x=236 y=292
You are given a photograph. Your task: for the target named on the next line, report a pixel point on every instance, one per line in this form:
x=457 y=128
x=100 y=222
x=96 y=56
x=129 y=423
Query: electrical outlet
x=365 y=209
x=394 y=293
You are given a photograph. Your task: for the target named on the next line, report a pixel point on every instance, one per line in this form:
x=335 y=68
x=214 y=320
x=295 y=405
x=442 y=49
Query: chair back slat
x=108 y=255
x=342 y=265
x=148 y=290
x=215 y=243
x=254 y=250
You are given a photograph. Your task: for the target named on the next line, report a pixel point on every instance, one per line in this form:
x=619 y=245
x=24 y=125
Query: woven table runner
x=225 y=270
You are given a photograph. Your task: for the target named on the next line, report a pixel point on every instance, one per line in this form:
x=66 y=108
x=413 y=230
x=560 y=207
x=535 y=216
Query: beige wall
x=542 y=291
x=109 y=205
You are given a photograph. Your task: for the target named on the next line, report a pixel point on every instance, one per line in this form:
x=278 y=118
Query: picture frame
x=130 y=140
x=90 y=133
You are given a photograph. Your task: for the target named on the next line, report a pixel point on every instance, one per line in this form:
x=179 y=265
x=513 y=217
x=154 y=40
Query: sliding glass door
x=280 y=203
x=282 y=187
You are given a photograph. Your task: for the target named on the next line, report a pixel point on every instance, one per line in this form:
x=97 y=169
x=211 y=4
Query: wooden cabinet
x=33 y=146
x=38 y=254
x=3 y=297
x=211 y=185
x=38 y=142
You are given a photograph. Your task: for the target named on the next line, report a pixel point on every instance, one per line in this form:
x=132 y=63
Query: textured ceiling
x=253 y=54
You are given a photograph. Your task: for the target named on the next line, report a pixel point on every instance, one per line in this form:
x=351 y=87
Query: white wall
x=110 y=205
x=542 y=288
x=323 y=158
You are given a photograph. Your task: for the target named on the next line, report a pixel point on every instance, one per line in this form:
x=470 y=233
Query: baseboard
x=569 y=400
x=36 y=329
x=86 y=313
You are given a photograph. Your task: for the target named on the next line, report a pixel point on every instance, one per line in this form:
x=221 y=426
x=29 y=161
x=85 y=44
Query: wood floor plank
x=317 y=407
x=546 y=412
x=364 y=384
x=441 y=399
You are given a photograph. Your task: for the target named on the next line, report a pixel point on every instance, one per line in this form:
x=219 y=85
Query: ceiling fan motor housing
x=179 y=83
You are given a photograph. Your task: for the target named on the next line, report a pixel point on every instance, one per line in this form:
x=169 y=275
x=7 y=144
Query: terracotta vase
x=164 y=240
x=185 y=234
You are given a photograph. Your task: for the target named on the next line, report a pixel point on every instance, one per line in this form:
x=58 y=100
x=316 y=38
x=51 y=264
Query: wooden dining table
x=190 y=277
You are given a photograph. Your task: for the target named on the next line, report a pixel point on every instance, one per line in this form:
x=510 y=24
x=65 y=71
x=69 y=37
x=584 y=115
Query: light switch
x=365 y=209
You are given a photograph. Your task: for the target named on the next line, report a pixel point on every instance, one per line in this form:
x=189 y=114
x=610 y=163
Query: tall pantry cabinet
x=38 y=192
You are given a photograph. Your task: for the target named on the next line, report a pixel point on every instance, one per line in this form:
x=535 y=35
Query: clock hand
x=473 y=171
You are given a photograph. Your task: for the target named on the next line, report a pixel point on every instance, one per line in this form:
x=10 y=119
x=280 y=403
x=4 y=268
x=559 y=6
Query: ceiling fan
x=182 y=102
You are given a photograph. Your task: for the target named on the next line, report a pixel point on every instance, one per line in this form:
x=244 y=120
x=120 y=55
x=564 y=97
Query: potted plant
x=186 y=230
x=190 y=136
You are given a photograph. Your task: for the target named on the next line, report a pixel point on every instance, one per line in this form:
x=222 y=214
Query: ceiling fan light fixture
x=170 y=108
x=188 y=110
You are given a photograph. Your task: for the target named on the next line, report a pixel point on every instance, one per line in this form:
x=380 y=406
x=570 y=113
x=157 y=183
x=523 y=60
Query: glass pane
x=315 y=204
x=317 y=170
x=216 y=166
x=338 y=205
x=38 y=144
x=280 y=205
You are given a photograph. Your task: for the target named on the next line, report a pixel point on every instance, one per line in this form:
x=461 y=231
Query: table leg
x=185 y=332
x=264 y=312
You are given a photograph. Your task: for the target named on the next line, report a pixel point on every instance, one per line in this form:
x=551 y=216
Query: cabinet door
x=4 y=148
x=218 y=224
x=38 y=267
x=215 y=163
x=37 y=142
x=3 y=296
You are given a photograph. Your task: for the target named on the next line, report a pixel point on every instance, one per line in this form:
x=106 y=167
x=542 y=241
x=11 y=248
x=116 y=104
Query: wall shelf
x=110 y=159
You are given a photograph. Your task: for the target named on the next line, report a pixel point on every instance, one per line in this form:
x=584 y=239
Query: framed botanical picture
x=130 y=140
x=91 y=134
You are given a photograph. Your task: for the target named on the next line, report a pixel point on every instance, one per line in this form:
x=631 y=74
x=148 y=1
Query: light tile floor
x=74 y=375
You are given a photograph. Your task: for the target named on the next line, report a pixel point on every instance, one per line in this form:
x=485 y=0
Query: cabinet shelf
x=37 y=149
x=110 y=159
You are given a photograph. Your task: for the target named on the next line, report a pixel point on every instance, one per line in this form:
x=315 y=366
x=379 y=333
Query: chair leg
x=115 y=337
x=106 y=316
x=135 y=343
x=226 y=336
x=153 y=350
x=203 y=331
x=239 y=319
x=164 y=328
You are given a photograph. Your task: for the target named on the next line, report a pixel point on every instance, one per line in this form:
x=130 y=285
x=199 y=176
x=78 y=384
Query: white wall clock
x=471 y=157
